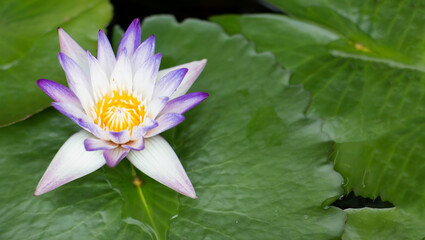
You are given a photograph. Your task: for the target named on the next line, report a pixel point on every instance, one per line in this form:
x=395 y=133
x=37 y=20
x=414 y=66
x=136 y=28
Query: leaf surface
x=249 y=150
x=30 y=46
x=363 y=63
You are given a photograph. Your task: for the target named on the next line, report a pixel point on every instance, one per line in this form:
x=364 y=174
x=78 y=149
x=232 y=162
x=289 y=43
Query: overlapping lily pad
x=250 y=151
x=30 y=45
x=363 y=63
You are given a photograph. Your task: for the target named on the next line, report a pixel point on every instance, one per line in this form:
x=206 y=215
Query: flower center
x=119 y=111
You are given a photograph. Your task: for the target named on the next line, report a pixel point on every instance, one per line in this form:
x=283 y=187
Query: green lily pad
x=366 y=74
x=394 y=223
x=98 y=206
x=30 y=45
x=259 y=165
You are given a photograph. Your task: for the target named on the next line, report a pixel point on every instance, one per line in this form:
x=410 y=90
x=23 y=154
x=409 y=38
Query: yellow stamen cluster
x=119 y=111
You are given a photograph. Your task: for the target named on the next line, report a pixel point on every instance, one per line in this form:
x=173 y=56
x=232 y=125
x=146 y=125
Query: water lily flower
x=122 y=104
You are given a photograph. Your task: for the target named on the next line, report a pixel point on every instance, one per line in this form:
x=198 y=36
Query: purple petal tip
x=41 y=82
x=151 y=38
x=136 y=21
x=204 y=94
x=181 y=72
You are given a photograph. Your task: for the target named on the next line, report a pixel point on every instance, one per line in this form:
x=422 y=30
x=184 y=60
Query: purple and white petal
x=105 y=54
x=78 y=81
x=121 y=77
x=136 y=145
x=160 y=162
x=145 y=77
x=77 y=114
x=165 y=122
x=72 y=111
x=143 y=53
x=71 y=162
x=72 y=49
x=120 y=137
x=139 y=132
x=93 y=128
x=195 y=69
x=58 y=92
x=156 y=106
x=169 y=83
x=94 y=144
x=131 y=39
x=184 y=103
x=98 y=78
x=114 y=156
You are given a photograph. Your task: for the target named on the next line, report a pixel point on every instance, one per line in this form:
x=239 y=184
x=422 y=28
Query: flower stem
x=138 y=183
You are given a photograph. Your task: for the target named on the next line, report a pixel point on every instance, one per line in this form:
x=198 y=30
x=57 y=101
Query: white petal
x=72 y=49
x=156 y=106
x=195 y=69
x=99 y=80
x=105 y=54
x=159 y=161
x=71 y=162
x=122 y=77
x=144 y=79
x=114 y=156
x=143 y=52
x=78 y=81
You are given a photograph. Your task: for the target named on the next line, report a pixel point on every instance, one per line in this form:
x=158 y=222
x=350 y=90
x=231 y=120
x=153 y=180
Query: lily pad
x=259 y=165
x=366 y=74
x=30 y=45
x=394 y=223
x=99 y=206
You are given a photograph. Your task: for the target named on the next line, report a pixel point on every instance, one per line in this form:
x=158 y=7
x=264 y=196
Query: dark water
x=353 y=201
x=127 y=10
